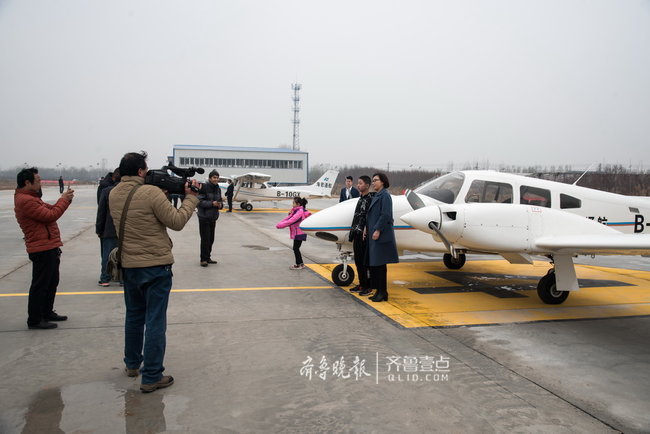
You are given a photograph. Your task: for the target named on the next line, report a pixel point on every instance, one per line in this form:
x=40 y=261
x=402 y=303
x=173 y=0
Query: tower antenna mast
x=296 y=120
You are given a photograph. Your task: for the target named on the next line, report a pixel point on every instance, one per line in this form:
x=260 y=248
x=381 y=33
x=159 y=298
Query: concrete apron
x=242 y=357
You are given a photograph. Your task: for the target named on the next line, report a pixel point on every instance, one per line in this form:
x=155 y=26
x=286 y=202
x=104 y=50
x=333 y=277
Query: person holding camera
x=146 y=260
x=210 y=203
x=37 y=220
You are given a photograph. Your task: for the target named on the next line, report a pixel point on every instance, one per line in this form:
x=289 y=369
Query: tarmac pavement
x=244 y=335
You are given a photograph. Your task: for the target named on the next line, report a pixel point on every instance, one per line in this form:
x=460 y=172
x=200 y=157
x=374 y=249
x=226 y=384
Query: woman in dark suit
x=382 y=248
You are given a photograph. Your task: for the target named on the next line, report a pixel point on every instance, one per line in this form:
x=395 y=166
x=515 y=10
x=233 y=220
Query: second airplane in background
x=251 y=187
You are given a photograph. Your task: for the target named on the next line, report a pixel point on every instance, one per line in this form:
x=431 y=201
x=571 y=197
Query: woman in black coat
x=382 y=248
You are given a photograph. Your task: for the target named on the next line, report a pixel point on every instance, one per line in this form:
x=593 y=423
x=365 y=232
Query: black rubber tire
x=340 y=278
x=243 y=205
x=547 y=290
x=454 y=264
x=248 y=207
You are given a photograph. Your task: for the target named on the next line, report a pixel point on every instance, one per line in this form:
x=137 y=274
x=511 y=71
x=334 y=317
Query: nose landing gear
x=343 y=274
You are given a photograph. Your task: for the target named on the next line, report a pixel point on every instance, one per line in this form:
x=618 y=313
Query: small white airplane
x=509 y=215
x=254 y=187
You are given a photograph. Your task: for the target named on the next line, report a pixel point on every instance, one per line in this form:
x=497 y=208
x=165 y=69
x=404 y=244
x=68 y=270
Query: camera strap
x=123 y=223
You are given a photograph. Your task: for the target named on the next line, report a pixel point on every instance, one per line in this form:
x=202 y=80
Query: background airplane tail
x=325 y=183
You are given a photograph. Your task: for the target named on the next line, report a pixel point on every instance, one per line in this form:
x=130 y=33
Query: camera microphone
x=199 y=170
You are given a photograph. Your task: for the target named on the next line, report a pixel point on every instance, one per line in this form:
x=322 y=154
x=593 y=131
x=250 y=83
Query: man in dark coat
x=210 y=203
x=358 y=236
x=105 y=230
x=61 y=184
x=348 y=192
x=111 y=178
x=230 y=191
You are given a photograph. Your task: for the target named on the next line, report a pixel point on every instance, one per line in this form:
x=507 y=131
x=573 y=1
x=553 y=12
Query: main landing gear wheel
x=341 y=277
x=454 y=263
x=248 y=207
x=243 y=205
x=547 y=290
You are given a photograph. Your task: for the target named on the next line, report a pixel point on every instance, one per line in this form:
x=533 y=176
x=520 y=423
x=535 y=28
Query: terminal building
x=285 y=166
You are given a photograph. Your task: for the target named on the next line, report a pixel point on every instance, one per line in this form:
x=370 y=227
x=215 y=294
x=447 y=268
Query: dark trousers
x=296 y=251
x=378 y=278
x=146 y=295
x=229 y=203
x=359 y=246
x=45 y=279
x=206 y=231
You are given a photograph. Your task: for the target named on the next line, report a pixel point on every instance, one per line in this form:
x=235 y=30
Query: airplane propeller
x=426 y=216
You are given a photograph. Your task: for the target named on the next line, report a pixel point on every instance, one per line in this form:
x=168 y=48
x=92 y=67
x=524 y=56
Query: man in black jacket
x=210 y=203
x=110 y=179
x=358 y=235
x=230 y=191
x=105 y=230
x=348 y=192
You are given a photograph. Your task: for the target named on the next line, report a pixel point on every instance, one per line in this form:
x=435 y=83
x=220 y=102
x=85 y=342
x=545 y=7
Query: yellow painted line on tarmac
x=427 y=294
x=262 y=288
x=268 y=210
x=25 y=294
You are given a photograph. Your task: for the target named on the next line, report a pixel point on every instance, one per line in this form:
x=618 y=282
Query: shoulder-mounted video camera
x=173 y=184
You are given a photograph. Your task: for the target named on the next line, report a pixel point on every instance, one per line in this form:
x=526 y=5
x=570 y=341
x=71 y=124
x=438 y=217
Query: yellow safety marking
x=268 y=210
x=263 y=288
x=476 y=307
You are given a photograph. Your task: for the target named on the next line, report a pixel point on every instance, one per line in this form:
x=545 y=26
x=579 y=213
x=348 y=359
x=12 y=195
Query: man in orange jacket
x=37 y=220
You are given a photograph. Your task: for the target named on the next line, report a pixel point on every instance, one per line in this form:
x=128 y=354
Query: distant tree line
x=606 y=177
x=81 y=174
x=614 y=178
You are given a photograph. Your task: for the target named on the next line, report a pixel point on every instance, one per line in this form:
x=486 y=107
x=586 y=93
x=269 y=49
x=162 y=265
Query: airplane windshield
x=445 y=189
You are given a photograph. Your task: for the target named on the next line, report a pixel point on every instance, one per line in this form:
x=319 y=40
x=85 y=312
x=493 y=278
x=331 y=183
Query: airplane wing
x=509 y=229
x=603 y=244
x=254 y=177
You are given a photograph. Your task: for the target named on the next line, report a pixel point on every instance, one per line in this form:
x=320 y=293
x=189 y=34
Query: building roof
x=237 y=149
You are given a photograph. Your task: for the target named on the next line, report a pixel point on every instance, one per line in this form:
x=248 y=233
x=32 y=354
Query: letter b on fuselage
x=638 y=223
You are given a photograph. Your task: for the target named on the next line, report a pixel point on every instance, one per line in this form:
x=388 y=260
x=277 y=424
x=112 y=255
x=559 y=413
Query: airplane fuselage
x=626 y=214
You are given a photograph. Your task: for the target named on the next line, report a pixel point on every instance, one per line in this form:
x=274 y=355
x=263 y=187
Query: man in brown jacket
x=38 y=219
x=146 y=261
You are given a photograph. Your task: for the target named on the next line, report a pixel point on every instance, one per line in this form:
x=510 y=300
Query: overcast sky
x=406 y=82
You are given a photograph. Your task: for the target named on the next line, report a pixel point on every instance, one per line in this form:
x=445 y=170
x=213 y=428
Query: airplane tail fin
x=325 y=183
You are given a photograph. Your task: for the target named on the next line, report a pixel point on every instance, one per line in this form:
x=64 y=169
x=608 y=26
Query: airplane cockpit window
x=534 y=196
x=445 y=188
x=567 y=201
x=489 y=192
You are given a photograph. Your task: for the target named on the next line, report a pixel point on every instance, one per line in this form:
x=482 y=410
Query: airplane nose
x=422 y=218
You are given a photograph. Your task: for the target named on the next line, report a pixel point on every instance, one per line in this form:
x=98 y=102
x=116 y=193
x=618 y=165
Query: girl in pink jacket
x=297 y=214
